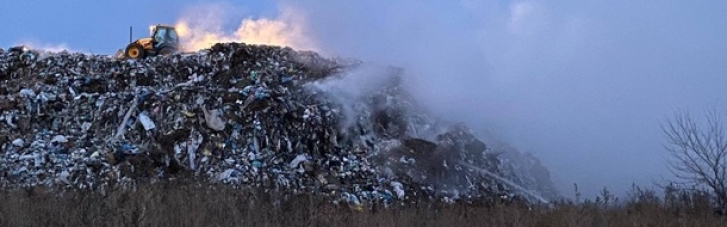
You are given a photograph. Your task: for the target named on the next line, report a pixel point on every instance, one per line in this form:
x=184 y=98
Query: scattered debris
x=94 y=122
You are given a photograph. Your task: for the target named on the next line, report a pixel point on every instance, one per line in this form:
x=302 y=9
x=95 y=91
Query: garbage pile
x=244 y=115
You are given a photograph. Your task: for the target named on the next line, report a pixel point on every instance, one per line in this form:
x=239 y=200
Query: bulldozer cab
x=162 y=34
x=162 y=40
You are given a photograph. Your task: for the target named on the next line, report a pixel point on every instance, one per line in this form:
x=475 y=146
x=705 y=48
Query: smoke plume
x=582 y=85
x=202 y=26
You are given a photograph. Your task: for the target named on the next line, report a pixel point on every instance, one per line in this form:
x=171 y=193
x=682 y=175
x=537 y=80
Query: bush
x=194 y=204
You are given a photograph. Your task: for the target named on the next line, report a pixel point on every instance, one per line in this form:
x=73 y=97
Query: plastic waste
x=85 y=121
x=146 y=121
x=213 y=120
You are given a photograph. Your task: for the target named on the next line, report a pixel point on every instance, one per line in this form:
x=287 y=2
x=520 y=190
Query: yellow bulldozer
x=162 y=40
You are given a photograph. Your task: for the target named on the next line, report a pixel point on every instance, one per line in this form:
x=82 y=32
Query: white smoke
x=580 y=83
x=202 y=25
x=47 y=47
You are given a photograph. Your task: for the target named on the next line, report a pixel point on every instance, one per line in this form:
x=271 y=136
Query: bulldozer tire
x=134 y=51
x=166 y=51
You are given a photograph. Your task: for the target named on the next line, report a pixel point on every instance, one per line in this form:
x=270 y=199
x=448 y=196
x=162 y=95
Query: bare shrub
x=191 y=203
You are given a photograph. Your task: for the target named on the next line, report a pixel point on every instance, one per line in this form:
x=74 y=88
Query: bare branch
x=699 y=154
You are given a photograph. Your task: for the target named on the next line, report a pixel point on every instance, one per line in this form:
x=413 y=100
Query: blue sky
x=582 y=84
x=102 y=26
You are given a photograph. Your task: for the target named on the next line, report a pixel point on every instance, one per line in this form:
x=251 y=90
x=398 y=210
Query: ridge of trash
x=238 y=114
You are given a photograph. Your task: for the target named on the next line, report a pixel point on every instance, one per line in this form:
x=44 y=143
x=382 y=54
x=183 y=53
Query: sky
x=583 y=84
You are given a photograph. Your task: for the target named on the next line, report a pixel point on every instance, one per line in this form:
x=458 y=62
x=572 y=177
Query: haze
x=581 y=84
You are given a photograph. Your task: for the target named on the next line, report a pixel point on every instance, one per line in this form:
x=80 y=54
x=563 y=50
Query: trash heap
x=244 y=115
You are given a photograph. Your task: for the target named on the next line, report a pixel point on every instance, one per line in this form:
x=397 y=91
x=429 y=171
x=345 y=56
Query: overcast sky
x=581 y=84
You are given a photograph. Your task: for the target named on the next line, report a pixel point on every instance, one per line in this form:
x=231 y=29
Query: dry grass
x=180 y=204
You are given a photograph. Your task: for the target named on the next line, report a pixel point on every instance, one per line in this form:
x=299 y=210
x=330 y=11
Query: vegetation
x=188 y=204
x=699 y=153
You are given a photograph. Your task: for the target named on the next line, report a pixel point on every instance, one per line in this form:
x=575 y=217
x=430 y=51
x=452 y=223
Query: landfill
x=244 y=115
